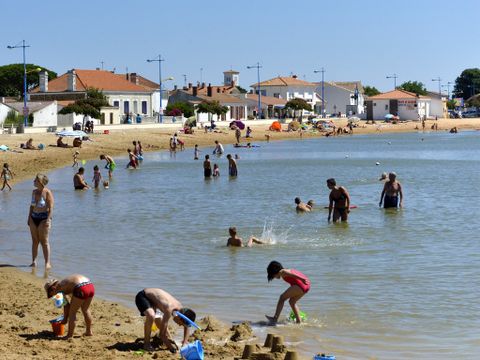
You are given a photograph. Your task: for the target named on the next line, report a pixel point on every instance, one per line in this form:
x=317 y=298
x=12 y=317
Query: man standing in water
x=339 y=201
x=392 y=191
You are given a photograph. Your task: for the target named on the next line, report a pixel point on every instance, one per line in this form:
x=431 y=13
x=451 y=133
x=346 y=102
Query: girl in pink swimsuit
x=299 y=286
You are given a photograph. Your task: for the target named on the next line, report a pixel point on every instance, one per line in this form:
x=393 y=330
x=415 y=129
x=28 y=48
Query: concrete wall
x=4 y=109
x=131 y=98
x=337 y=99
x=408 y=109
x=46 y=116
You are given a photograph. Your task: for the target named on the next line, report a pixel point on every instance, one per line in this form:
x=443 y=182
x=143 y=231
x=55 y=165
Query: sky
x=352 y=40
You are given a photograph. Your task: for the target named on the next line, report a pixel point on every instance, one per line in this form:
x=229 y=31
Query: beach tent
x=276 y=126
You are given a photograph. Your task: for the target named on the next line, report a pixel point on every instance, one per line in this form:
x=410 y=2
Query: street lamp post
x=25 y=108
x=159 y=60
x=439 y=85
x=258 y=67
x=323 y=89
x=448 y=88
x=394 y=77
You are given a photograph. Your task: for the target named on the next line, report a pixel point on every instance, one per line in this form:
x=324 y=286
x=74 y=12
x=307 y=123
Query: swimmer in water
x=301 y=206
x=234 y=240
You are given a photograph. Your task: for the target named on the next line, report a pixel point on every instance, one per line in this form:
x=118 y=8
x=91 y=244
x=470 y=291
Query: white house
x=289 y=88
x=121 y=92
x=405 y=104
x=44 y=113
x=344 y=97
x=438 y=106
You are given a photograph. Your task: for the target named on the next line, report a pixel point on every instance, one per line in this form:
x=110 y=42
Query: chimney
x=294 y=76
x=194 y=91
x=209 y=90
x=189 y=86
x=127 y=77
x=43 y=81
x=232 y=84
x=134 y=78
x=203 y=85
x=71 y=80
x=97 y=68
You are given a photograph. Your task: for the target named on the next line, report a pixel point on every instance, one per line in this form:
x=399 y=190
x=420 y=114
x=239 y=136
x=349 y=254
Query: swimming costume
x=207 y=172
x=233 y=171
x=294 y=281
x=84 y=290
x=80 y=187
x=132 y=163
x=142 y=302
x=390 y=202
x=37 y=218
x=112 y=166
x=41 y=203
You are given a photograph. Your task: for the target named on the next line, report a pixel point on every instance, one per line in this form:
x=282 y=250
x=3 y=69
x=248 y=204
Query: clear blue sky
x=353 y=40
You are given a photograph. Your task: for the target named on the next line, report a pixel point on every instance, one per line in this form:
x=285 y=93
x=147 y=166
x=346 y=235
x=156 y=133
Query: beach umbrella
x=238 y=124
x=389 y=116
x=71 y=133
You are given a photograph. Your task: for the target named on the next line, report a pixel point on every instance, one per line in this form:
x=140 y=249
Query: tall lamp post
x=25 y=108
x=394 y=77
x=439 y=85
x=447 y=85
x=258 y=67
x=323 y=89
x=159 y=60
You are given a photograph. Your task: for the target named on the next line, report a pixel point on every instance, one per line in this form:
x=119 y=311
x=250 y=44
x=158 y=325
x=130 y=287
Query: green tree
x=89 y=106
x=467 y=84
x=451 y=104
x=185 y=108
x=298 y=105
x=416 y=87
x=11 y=78
x=474 y=101
x=370 y=90
x=212 y=107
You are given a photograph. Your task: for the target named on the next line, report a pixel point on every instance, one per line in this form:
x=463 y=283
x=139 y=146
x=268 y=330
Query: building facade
x=404 y=104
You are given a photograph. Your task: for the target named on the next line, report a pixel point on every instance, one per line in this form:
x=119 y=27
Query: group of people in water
x=81 y=290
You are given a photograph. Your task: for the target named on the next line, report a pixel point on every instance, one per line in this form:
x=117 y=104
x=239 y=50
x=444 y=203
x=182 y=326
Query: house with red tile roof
x=131 y=97
x=404 y=104
x=288 y=88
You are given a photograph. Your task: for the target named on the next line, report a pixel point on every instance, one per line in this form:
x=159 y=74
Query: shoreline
x=27 y=163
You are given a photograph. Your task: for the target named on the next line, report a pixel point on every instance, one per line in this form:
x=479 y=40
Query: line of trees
x=11 y=78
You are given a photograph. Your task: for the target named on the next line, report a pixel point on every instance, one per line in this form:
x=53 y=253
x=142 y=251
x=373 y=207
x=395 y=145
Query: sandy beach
x=118 y=331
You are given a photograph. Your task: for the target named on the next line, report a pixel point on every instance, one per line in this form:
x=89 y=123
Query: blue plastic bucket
x=193 y=351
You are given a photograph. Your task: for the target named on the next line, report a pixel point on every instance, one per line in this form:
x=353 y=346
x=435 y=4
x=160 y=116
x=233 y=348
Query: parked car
x=470 y=114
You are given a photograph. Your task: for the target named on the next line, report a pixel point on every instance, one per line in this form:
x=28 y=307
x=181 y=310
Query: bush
x=250 y=117
x=174 y=112
x=13 y=118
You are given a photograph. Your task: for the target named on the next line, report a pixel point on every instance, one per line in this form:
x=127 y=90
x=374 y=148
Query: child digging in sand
x=148 y=301
x=82 y=291
x=299 y=286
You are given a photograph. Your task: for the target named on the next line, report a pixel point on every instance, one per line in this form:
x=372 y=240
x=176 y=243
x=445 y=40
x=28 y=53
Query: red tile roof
x=100 y=79
x=267 y=100
x=285 y=81
x=394 y=94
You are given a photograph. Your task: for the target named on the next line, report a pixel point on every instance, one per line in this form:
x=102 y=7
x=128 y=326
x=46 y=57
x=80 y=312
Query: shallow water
x=390 y=284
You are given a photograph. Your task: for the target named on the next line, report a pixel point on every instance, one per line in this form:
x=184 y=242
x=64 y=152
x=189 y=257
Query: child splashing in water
x=299 y=286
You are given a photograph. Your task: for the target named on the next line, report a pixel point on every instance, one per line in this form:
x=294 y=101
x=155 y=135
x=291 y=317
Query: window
x=386 y=106
x=116 y=103
x=111 y=118
x=126 y=107
x=276 y=95
x=144 y=107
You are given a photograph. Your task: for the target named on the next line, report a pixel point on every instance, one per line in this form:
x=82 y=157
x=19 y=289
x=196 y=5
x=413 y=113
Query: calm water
x=390 y=285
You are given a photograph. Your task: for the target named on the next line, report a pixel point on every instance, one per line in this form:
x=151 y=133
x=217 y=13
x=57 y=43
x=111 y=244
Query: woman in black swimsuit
x=339 y=201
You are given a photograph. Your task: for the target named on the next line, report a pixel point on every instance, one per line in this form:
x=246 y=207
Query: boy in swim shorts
x=82 y=291
x=148 y=301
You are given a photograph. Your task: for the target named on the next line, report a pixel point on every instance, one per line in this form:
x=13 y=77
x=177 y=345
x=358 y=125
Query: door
x=394 y=107
x=369 y=110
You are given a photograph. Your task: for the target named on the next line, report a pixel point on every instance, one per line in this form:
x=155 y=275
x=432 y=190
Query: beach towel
x=3 y=147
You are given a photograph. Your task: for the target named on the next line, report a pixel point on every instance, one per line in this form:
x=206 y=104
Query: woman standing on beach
x=40 y=219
